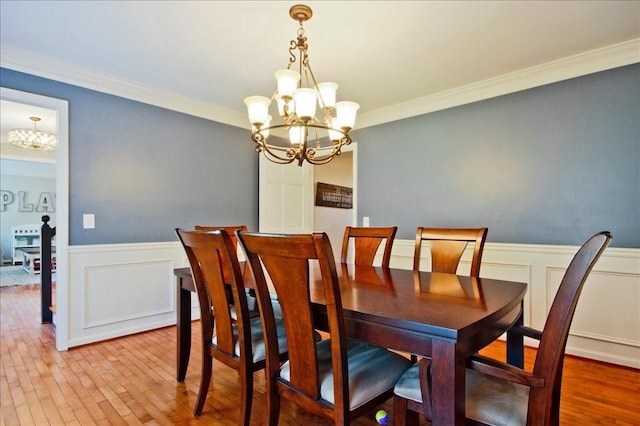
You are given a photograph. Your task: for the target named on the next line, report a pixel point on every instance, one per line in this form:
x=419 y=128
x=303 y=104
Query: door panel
x=286 y=198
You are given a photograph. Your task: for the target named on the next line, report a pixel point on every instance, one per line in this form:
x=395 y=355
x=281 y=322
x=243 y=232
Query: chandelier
x=313 y=139
x=33 y=139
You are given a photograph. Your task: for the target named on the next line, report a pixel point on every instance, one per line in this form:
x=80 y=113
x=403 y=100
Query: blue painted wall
x=550 y=165
x=144 y=170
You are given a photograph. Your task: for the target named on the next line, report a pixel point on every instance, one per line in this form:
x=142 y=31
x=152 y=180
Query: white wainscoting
x=119 y=289
x=606 y=326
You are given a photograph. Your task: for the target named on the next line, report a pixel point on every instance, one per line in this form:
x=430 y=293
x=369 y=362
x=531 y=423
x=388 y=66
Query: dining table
x=445 y=317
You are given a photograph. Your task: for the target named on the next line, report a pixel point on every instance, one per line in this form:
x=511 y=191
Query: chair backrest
x=231 y=230
x=286 y=259
x=550 y=354
x=366 y=244
x=210 y=255
x=447 y=246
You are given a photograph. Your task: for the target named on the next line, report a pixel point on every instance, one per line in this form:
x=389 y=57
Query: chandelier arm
x=346 y=140
x=291 y=154
x=323 y=159
x=292 y=57
x=267 y=150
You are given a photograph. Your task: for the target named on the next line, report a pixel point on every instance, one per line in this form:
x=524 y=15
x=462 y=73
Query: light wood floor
x=131 y=380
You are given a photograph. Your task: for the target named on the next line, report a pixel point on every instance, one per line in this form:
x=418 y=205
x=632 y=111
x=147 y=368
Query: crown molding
x=602 y=59
x=54 y=69
x=605 y=58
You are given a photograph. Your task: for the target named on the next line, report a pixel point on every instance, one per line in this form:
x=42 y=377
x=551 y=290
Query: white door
x=286 y=198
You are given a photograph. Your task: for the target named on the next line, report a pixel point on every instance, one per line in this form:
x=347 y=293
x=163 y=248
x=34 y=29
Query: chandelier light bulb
x=305 y=101
x=267 y=123
x=258 y=108
x=346 y=113
x=297 y=135
x=335 y=135
x=287 y=82
x=328 y=94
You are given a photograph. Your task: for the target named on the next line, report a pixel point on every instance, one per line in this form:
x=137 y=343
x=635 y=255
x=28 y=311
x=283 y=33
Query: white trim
x=61 y=106
x=55 y=69
x=605 y=58
x=601 y=59
x=120 y=289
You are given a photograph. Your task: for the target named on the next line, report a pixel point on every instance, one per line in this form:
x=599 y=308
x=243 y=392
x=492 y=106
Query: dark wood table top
x=440 y=305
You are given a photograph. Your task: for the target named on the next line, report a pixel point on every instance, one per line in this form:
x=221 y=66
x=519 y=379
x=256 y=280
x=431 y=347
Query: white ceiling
x=392 y=57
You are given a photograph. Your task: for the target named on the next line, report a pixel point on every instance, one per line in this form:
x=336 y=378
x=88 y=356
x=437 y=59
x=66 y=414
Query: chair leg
x=273 y=405
x=246 y=395
x=204 y=384
x=402 y=415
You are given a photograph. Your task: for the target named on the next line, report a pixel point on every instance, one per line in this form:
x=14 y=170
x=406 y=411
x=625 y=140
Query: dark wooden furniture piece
x=396 y=315
x=238 y=340
x=185 y=286
x=447 y=246
x=498 y=393
x=231 y=230
x=338 y=378
x=366 y=242
x=46 y=268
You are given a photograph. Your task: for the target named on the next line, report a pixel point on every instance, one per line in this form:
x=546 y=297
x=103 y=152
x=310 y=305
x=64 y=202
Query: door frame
x=61 y=106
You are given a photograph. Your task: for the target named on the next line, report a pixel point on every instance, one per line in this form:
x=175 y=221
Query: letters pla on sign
x=46 y=202
x=6 y=197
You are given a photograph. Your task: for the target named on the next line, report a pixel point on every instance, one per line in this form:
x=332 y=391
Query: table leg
x=448 y=384
x=183 y=329
x=515 y=343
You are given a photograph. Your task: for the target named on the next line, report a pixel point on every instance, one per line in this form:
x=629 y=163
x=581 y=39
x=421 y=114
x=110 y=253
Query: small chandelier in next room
x=33 y=138
x=313 y=139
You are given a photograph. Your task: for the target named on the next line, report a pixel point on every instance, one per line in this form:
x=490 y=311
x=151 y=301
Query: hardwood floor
x=131 y=380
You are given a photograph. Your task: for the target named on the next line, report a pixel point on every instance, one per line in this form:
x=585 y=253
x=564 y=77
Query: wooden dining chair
x=231 y=230
x=235 y=340
x=366 y=243
x=447 y=246
x=499 y=393
x=336 y=378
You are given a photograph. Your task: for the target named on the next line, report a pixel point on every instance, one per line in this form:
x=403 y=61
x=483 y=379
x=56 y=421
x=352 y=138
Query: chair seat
x=257 y=339
x=488 y=399
x=372 y=371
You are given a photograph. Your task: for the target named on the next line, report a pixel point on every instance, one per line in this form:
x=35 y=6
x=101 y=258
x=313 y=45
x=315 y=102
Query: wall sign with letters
x=45 y=203
x=328 y=195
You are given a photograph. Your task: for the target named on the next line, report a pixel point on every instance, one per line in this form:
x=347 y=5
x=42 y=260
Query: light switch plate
x=365 y=221
x=88 y=221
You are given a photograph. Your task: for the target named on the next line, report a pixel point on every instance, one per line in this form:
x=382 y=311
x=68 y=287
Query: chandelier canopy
x=297 y=95
x=33 y=138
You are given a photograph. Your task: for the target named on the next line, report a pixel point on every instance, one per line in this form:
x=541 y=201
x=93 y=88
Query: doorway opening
x=60 y=109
